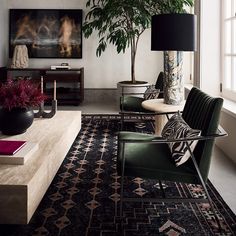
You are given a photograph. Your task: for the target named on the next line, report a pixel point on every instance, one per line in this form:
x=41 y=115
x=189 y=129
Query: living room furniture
x=161 y=110
x=70 y=82
x=131 y=103
x=23 y=186
x=148 y=156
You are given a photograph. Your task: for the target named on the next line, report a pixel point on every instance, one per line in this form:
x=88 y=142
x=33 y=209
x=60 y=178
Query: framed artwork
x=47 y=33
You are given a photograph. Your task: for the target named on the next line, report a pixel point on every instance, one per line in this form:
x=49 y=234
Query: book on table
x=18 y=153
x=10 y=147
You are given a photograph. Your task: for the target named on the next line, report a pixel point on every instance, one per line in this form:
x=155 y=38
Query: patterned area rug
x=84 y=195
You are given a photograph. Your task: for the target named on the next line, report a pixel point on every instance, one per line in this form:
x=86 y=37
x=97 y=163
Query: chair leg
x=204 y=186
x=121 y=195
x=162 y=190
x=122 y=192
x=211 y=205
x=122 y=122
x=122 y=180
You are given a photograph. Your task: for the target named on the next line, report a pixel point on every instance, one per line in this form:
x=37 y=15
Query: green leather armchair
x=131 y=105
x=148 y=156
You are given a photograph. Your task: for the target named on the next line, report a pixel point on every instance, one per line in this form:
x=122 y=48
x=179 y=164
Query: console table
x=23 y=186
x=70 y=82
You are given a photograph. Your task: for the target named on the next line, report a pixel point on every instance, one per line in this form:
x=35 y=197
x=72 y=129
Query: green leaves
x=121 y=22
x=118 y=22
x=101 y=47
x=173 y=6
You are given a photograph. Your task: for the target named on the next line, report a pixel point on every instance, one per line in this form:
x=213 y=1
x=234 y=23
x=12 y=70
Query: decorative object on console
x=173 y=34
x=61 y=67
x=17 y=99
x=52 y=112
x=20 y=57
x=48 y=33
x=41 y=112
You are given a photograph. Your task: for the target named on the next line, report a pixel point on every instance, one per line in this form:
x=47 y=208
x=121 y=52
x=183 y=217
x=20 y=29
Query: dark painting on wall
x=47 y=33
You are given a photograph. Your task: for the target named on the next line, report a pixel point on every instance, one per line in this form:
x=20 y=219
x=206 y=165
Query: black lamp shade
x=173 y=32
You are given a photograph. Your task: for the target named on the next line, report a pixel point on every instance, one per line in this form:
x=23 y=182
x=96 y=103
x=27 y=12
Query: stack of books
x=16 y=152
x=60 y=67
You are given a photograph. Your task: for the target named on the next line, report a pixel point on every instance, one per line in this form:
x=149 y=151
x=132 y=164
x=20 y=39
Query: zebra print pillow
x=175 y=128
x=151 y=93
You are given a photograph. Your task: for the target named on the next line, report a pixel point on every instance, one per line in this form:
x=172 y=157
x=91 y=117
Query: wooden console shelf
x=70 y=82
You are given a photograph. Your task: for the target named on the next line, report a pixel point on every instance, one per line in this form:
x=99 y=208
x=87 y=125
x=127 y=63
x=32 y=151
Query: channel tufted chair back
x=203 y=112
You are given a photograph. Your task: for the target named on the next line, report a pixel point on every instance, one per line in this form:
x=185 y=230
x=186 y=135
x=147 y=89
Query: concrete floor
x=223 y=176
x=222 y=172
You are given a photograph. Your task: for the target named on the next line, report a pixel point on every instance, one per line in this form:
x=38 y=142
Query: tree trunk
x=133 y=55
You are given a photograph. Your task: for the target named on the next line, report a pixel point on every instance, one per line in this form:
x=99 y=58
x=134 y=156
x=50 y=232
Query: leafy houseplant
x=122 y=22
x=119 y=22
x=174 y=6
x=17 y=99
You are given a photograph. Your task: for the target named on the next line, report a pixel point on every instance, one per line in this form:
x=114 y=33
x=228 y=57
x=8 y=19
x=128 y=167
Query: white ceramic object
x=20 y=57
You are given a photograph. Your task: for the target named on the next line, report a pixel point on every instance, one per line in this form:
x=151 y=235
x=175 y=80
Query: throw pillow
x=176 y=128
x=151 y=93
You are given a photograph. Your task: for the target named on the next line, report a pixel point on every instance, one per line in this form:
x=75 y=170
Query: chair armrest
x=158 y=139
x=136 y=113
x=147 y=113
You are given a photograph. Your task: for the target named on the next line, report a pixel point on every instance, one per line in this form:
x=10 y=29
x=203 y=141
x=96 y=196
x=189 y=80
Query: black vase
x=15 y=121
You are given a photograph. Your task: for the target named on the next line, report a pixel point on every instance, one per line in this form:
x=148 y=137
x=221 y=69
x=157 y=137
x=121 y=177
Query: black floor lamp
x=173 y=34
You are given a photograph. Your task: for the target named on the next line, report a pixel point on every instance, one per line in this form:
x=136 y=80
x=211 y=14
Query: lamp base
x=173 y=82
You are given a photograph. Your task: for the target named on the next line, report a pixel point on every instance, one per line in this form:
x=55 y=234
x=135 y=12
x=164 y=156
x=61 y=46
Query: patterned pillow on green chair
x=151 y=93
x=176 y=128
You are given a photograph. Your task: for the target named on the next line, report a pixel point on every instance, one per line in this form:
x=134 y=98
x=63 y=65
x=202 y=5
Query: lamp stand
x=173 y=80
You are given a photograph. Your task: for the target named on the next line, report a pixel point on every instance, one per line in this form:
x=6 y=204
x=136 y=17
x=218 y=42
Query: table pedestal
x=160 y=121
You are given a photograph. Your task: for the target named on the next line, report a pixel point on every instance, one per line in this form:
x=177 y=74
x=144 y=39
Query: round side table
x=159 y=106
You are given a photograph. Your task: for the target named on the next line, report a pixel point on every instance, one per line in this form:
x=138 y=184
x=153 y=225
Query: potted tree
x=122 y=22
x=119 y=22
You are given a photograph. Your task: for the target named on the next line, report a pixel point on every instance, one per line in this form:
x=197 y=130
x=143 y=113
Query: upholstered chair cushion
x=131 y=103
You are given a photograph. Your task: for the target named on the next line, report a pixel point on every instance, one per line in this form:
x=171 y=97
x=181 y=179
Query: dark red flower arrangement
x=20 y=94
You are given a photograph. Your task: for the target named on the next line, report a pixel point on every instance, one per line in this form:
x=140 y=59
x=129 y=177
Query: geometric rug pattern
x=83 y=198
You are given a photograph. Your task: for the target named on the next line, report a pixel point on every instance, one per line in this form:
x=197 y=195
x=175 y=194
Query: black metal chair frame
x=157 y=139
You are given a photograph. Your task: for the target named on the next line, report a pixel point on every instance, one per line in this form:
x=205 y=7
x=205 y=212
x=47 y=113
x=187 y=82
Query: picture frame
x=47 y=33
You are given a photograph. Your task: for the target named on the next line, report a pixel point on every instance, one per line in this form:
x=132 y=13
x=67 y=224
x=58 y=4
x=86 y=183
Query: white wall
x=227 y=144
x=210 y=46
x=110 y=68
x=3 y=32
x=210 y=69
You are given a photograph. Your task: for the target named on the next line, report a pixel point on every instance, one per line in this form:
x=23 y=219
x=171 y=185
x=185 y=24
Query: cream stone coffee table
x=23 y=186
x=158 y=105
